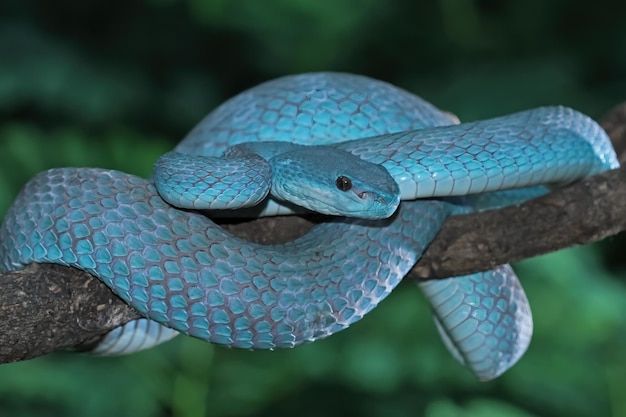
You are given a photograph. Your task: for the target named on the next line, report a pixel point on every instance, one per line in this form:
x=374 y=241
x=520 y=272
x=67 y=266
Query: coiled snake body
x=180 y=269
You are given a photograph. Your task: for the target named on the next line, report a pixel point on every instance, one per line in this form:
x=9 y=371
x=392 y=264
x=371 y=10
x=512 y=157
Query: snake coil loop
x=181 y=270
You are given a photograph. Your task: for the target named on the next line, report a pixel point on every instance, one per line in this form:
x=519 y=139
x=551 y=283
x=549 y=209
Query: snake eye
x=343 y=183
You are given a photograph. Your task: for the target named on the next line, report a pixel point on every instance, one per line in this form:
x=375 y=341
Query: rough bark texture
x=45 y=308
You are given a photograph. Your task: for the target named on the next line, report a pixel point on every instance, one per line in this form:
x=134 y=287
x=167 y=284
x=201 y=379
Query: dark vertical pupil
x=343 y=183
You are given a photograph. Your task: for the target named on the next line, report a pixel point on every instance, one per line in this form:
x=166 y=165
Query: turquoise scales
x=180 y=269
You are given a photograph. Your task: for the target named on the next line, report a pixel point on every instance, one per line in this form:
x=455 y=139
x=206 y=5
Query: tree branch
x=45 y=308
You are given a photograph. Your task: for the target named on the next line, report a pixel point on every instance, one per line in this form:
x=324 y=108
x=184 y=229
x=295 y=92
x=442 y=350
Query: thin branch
x=45 y=308
x=587 y=212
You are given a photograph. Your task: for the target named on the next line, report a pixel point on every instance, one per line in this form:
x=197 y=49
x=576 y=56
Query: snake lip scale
x=339 y=144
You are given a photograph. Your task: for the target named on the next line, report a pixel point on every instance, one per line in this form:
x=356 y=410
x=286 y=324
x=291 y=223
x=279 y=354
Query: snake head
x=335 y=182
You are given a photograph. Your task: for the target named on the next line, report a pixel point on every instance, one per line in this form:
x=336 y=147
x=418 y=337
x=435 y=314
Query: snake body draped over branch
x=340 y=144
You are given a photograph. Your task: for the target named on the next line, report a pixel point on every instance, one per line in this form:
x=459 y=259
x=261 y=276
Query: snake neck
x=266 y=150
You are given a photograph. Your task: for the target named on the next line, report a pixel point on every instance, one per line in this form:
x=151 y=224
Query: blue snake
x=388 y=166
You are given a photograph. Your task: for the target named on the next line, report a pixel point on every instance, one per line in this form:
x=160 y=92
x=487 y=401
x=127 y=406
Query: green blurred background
x=116 y=83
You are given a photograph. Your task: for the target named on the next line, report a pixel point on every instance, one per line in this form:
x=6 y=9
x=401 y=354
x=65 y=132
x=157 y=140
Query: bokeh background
x=116 y=83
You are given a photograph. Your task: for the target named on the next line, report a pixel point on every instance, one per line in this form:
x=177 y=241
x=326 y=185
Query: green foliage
x=115 y=84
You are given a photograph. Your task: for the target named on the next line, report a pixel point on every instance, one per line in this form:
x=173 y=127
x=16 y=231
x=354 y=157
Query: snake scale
x=387 y=165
